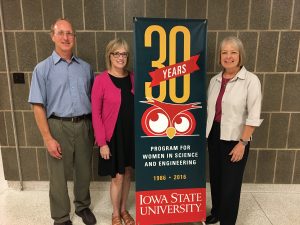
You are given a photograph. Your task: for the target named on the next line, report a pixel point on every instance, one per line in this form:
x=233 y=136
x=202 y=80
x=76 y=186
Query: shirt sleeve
x=254 y=99
x=97 y=107
x=38 y=92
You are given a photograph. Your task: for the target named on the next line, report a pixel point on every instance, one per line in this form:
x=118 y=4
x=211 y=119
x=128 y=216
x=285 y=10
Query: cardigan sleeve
x=97 y=107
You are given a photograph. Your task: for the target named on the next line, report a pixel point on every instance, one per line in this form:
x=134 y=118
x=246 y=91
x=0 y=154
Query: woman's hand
x=237 y=152
x=105 y=152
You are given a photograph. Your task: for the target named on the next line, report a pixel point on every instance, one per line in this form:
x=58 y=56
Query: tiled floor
x=260 y=204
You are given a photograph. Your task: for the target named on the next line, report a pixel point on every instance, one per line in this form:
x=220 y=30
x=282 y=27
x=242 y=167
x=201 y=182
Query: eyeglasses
x=119 y=54
x=62 y=33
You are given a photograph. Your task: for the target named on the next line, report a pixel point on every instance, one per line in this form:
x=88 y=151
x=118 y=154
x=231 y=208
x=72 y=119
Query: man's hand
x=52 y=145
x=53 y=148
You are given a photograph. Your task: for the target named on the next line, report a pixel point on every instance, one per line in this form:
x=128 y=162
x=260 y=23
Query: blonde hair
x=238 y=43
x=112 y=46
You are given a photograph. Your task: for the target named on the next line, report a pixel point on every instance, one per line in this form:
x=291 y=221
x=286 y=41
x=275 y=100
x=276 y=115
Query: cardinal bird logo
x=166 y=119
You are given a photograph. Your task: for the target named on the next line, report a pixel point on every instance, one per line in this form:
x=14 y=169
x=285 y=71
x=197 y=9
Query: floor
x=260 y=204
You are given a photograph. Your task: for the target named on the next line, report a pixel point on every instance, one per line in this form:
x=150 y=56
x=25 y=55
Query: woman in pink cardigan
x=113 y=123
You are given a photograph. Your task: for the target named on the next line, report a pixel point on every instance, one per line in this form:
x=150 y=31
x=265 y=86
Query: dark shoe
x=87 y=216
x=69 y=222
x=211 y=219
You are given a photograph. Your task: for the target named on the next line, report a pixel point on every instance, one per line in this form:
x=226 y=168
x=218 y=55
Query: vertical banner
x=170 y=120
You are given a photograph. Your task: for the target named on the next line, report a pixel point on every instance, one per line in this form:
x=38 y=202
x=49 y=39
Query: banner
x=170 y=120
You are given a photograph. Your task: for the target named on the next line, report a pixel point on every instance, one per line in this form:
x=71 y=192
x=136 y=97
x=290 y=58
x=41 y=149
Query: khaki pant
x=76 y=141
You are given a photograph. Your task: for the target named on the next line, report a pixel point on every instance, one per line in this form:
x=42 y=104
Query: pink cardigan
x=106 y=101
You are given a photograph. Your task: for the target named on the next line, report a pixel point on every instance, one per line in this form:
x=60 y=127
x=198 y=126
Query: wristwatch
x=244 y=142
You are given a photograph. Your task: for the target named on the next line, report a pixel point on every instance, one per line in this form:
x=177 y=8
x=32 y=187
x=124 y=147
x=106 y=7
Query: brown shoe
x=116 y=220
x=127 y=218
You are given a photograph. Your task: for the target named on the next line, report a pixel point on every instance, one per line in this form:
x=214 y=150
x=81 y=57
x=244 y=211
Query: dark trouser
x=76 y=141
x=225 y=177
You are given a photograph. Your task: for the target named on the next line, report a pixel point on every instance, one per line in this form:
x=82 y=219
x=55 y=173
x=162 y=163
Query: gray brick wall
x=270 y=30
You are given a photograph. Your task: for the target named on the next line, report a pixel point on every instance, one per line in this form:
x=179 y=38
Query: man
x=60 y=95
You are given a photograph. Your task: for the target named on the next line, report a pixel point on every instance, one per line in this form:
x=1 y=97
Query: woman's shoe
x=127 y=218
x=211 y=219
x=116 y=220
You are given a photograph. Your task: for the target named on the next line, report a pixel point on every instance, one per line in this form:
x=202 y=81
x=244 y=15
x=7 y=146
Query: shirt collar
x=56 y=58
x=241 y=75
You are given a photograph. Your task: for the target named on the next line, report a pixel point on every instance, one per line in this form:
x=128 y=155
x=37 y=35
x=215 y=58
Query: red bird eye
x=184 y=123
x=160 y=124
x=154 y=121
